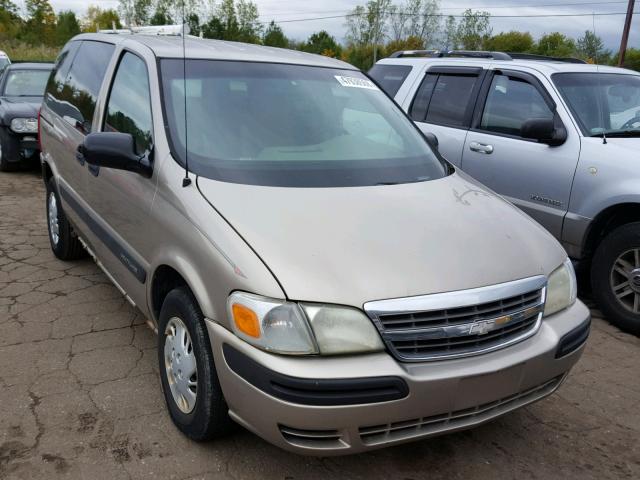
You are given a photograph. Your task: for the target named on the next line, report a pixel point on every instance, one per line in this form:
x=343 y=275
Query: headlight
x=289 y=328
x=24 y=125
x=341 y=330
x=562 y=289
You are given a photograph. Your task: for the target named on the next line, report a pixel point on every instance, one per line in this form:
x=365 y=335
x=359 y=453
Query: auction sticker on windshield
x=354 y=82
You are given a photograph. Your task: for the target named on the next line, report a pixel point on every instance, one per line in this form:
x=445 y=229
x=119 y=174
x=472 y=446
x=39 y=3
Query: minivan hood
x=352 y=245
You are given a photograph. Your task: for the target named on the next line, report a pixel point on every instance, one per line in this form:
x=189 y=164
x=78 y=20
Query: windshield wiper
x=619 y=134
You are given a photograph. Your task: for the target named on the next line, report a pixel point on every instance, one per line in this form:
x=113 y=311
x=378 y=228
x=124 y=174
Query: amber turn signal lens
x=246 y=320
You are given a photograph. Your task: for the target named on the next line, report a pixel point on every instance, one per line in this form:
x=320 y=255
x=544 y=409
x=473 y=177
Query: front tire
x=5 y=152
x=615 y=277
x=187 y=371
x=64 y=244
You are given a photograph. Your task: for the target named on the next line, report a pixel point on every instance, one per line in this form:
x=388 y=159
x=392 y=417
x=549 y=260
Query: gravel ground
x=80 y=395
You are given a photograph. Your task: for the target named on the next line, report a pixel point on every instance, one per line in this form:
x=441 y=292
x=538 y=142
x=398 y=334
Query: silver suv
x=314 y=270
x=557 y=137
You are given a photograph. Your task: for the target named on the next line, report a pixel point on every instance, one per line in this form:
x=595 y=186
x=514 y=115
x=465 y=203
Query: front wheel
x=187 y=371
x=615 y=277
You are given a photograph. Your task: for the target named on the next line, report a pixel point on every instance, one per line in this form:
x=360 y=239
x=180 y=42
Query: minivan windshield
x=290 y=125
x=603 y=103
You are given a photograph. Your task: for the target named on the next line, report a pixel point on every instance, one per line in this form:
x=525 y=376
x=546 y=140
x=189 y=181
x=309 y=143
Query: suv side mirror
x=431 y=140
x=114 y=150
x=544 y=131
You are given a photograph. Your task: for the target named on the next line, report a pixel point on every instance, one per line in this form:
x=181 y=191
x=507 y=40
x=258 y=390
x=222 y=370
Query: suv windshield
x=603 y=103
x=26 y=83
x=289 y=125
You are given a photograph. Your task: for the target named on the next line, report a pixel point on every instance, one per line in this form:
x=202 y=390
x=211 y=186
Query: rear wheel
x=64 y=244
x=615 y=277
x=189 y=379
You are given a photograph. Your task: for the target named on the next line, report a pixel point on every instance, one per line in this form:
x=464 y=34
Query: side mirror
x=114 y=150
x=431 y=140
x=544 y=131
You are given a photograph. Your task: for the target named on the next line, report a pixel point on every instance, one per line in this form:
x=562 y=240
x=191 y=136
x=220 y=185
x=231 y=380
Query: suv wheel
x=187 y=371
x=615 y=277
x=64 y=244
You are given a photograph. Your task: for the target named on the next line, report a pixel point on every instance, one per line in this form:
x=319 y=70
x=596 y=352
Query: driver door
x=536 y=177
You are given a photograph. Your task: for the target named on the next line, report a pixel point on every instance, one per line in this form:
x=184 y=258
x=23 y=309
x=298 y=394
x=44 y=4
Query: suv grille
x=460 y=323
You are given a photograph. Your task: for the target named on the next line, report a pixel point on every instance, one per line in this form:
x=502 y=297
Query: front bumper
x=441 y=397
x=17 y=147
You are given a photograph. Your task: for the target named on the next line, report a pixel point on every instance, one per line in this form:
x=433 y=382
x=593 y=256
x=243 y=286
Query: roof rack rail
x=482 y=54
x=532 y=56
x=451 y=53
x=164 y=30
x=416 y=53
x=478 y=54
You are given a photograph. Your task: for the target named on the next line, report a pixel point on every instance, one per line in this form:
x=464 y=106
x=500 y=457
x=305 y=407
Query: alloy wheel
x=625 y=280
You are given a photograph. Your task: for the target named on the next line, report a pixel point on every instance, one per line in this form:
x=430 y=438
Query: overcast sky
x=608 y=27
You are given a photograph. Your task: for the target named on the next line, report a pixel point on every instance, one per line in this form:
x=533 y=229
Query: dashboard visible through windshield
x=290 y=125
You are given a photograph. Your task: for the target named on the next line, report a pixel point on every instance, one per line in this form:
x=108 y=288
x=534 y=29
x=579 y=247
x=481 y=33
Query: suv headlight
x=24 y=125
x=562 y=289
x=301 y=329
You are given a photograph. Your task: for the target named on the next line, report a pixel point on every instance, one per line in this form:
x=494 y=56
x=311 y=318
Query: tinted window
x=129 y=107
x=421 y=102
x=510 y=103
x=390 y=77
x=25 y=83
x=55 y=85
x=83 y=83
x=290 y=125
x=451 y=103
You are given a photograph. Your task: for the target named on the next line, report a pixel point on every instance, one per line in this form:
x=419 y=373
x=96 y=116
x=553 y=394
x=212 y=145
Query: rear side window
x=390 y=77
x=129 y=106
x=451 y=100
x=446 y=97
x=77 y=99
x=510 y=103
x=56 y=82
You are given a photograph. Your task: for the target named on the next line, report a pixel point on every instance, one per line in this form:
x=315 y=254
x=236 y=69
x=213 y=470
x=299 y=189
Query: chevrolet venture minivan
x=315 y=271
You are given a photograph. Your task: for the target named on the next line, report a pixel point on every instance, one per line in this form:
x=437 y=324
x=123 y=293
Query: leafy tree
x=631 y=59
x=556 y=45
x=591 y=48
x=41 y=23
x=359 y=55
x=10 y=21
x=323 y=44
x=415 y=18
x=274 y=36
x=512 y=41
x=410 y=43
x=67 y=27
x=249 y=26
x=96 y=18
x=214 y=28
x=161 y=16
x=474 y=28
x=368 y=24
x=450 y=34
x=135 y=12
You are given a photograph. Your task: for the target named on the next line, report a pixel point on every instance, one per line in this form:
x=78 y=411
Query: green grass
x=22 y=52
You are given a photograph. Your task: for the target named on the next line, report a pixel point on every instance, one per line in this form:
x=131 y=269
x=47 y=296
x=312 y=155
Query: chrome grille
x=460 y=323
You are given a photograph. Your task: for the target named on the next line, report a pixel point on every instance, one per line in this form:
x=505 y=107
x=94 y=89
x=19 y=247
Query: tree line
x=374 y=30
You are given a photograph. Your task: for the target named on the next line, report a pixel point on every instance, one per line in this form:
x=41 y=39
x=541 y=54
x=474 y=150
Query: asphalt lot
x=80 y=395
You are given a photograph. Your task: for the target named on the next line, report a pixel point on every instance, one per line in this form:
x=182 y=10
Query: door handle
x=481 y=148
